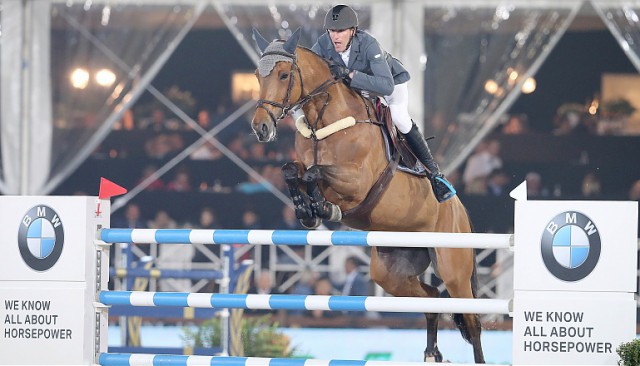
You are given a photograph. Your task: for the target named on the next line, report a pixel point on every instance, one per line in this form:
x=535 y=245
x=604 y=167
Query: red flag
x=109 y=189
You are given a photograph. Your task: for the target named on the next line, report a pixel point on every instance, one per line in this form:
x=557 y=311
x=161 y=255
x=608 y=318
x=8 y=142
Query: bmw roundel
x=570 y=246
x=40 y=237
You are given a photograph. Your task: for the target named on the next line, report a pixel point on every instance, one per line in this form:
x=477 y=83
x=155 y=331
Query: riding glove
x=340 y=72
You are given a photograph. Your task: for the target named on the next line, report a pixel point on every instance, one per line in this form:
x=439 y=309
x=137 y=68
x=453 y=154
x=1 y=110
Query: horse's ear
x=260 y=41
x=291 y=44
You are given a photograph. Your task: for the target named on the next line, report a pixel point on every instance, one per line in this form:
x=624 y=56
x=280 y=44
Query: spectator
x=323 y=287
x=497 y=183
x=288 y=221
x=484 y=160
x=205 y=255
x=132 y=218
x=535 y=189
x=251 y=220
x=204 y=119
x=156 y=184
x=305 y=286
x=591 y=187
x=158 y=121
x=634 y=191
x=206 y=151
x=263 y=284
x=237 y=147
x=355 y=284
x=180 y=183
x=172 y=256
x=126 y=122
x=516 y=125
x=207 y=220
x=162 y=220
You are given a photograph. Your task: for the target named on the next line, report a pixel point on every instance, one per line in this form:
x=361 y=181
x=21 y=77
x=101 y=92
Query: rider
x=357 y=58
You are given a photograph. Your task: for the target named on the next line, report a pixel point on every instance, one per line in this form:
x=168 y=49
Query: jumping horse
x=343 y=174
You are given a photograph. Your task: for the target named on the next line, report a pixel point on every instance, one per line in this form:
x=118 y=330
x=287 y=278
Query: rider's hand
x=340 y=72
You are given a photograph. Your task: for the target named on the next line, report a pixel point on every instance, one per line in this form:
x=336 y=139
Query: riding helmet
x=341 y=17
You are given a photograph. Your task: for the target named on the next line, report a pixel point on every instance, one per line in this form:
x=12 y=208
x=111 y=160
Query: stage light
x=79 y=78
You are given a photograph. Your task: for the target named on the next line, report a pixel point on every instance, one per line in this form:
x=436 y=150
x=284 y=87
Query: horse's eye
x=284 y=76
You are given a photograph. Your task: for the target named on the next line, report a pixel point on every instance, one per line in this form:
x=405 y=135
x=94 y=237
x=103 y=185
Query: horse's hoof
x=336 y=213
x=434 y=356
x=311 y=223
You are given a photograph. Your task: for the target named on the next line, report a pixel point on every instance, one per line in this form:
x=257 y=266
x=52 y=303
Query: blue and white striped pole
x=307 y=302
x=309 y=237
x=127 y=359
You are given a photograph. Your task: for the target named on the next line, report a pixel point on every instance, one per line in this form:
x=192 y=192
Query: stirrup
x=442 y=189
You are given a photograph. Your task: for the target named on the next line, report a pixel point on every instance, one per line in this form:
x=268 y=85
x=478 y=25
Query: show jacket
x=375 y=70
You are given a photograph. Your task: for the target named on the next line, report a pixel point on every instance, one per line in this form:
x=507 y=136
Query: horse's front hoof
x=336 y=213
x=433 y=356
x=311 y=223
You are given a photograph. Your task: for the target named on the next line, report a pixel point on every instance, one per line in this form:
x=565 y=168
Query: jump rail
x=308 y=237
x=126 y=359
x=307 y=302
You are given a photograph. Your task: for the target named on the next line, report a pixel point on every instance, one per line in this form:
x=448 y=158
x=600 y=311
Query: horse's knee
x=290 y=171
x=312 y=174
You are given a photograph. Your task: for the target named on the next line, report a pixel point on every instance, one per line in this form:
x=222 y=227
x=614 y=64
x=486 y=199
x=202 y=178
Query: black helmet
x=341 y=17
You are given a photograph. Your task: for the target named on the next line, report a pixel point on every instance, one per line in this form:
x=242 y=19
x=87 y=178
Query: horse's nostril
x=264 y=129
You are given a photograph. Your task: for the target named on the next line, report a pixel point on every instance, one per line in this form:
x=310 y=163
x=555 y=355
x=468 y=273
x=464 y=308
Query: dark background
x=571 y=73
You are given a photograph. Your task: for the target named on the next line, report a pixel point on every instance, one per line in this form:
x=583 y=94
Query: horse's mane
x=309 y=50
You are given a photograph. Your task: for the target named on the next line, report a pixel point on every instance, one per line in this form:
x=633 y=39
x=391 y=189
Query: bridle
x=286 y=106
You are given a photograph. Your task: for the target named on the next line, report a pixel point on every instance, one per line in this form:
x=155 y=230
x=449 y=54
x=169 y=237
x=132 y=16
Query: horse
x=339 y=147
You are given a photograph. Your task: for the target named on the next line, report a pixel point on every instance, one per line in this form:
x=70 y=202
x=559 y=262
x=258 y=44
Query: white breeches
x=398 y=103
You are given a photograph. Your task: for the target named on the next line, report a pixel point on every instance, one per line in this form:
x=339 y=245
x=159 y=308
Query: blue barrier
x=308 y=302
x=308 y=237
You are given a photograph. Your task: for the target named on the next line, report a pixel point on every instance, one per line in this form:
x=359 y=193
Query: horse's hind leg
x=457 y=269
x=321 y=207
x=396 y=270
x=292 y=172
x=432 y=353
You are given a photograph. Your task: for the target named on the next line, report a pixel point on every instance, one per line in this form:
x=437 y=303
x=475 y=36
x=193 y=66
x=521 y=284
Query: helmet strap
x=353 y=34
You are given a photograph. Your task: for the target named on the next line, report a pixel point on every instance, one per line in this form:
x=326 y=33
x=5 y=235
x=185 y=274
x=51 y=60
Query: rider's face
x=340 y=38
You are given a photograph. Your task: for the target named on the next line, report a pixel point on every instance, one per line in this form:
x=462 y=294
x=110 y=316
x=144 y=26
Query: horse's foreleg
x=292 y=172
x=321 y=207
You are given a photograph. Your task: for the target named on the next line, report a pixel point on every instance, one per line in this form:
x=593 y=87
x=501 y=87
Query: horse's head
x=279 y=89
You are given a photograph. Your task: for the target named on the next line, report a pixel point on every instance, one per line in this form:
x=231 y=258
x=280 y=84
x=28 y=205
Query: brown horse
x=343 y=166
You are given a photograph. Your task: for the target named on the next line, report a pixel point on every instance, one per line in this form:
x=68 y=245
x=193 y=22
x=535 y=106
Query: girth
x=362 y=212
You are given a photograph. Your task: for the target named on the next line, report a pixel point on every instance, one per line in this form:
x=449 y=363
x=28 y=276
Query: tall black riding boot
x=441 y=187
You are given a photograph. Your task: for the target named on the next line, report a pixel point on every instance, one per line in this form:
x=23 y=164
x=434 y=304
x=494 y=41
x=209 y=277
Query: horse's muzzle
x=265 y=131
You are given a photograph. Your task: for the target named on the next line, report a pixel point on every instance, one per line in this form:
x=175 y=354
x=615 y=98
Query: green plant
x=260 y=337
x=629 y=353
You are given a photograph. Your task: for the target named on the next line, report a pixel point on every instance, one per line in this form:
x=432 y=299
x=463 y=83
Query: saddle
x=399 y=156
x=395 y=143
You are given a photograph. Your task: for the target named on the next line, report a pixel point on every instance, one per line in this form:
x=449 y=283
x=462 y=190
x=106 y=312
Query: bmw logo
x=570 y=246
x=40 y=238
